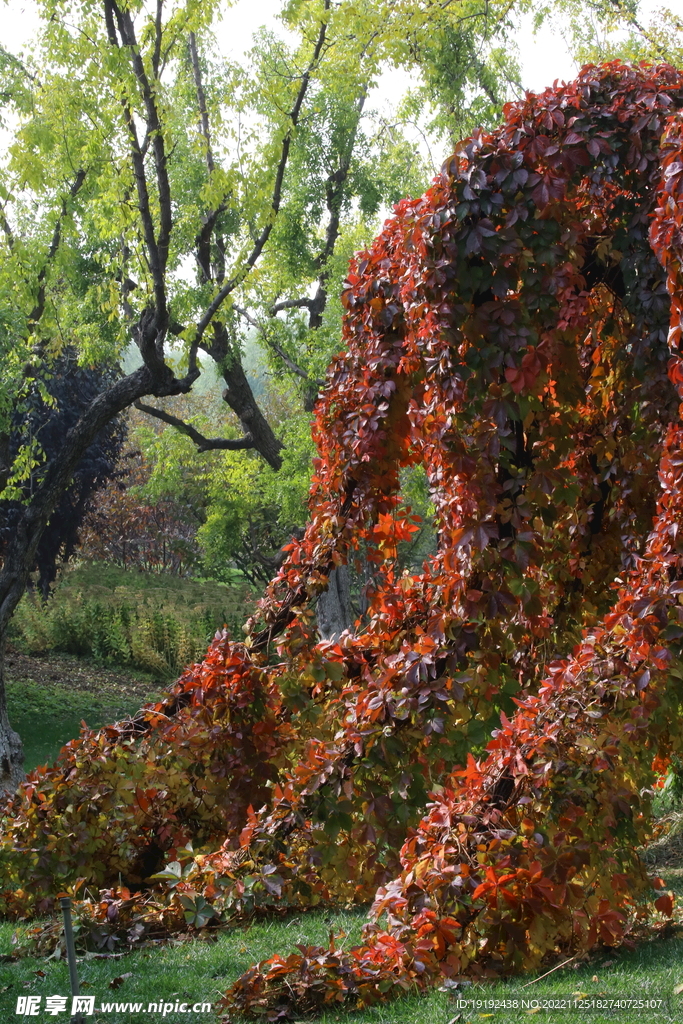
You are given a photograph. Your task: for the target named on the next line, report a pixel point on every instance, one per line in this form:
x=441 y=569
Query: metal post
x=70 y=953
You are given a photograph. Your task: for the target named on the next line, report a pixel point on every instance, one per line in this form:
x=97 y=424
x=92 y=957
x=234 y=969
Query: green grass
x=193 y=971
x=47 y=717
x=196 y=971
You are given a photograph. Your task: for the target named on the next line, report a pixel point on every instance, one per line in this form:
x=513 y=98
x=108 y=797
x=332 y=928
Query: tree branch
x=157 y=244
x=335 y=184
x=334 y=197
x=201 y=101
x=127 y=31
x=630 y=17
x=138 y=162
x=277 y=307
x=271 y=342
x=10 y=58
x=39 y=308
x=204 y=444
x=156 y=56
x=276 y=198
x=203 y=242
x=5 y=225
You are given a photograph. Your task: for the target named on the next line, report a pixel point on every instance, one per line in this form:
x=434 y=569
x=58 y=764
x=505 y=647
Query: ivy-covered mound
x=517 y=332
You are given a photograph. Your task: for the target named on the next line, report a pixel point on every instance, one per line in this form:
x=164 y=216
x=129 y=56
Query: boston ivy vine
x=478 y=756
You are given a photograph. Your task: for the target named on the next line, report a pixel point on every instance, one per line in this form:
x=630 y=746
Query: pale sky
x=544 y=56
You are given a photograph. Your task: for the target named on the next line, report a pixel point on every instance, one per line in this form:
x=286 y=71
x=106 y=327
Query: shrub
x=138 y=620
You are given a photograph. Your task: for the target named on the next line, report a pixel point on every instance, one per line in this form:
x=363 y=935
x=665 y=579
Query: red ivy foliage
x=120 y=800
x=516 y=331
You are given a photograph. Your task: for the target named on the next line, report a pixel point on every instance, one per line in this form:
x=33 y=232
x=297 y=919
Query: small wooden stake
x=70 y=953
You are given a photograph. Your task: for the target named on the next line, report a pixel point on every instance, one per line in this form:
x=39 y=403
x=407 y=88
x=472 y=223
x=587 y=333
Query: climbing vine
x=478 y=756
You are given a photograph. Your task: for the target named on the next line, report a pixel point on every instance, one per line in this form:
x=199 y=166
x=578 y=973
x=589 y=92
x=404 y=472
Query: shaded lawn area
x=200 y=971
x=48 y=697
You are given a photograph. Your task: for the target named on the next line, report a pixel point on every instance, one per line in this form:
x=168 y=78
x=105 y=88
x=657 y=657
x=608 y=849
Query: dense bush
x=53 y=402
x=129 y=530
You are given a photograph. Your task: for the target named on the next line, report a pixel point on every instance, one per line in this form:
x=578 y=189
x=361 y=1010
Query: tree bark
x=333 y=607
x=240 y=397
x=11 y=747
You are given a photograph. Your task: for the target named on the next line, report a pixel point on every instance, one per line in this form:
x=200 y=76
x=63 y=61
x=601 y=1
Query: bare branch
x=201 y=101
x=277 y=307
x=388 y=128
x=276 y=198
x=204 y=444
x=156 y=56
x=193 y=367
x=272 y=344
x=39 y=307
x=203 y=242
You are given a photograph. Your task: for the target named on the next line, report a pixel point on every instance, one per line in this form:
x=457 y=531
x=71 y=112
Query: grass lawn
x=200 y=971
x=49 y=696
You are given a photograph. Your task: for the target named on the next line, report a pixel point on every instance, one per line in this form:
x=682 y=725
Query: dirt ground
x=55 y=669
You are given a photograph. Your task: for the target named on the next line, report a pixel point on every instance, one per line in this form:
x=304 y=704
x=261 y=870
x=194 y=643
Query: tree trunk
x=333 y=607
x=240 y=397
x=11 y=747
